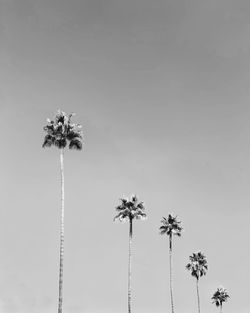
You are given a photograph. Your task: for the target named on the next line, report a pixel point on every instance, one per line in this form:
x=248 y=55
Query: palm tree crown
x=198 y=265
x=220 y=296
x=61 y=131
x=130 y=209
x=170 y=226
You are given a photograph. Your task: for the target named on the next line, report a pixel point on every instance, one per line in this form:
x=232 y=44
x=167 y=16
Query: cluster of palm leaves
x=61 y=132
x=220 y=296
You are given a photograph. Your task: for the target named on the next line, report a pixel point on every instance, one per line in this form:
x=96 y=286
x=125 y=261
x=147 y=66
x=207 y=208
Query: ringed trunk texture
x=171 y=273
x=198 y=296
x=129 y=264
x=60 y=299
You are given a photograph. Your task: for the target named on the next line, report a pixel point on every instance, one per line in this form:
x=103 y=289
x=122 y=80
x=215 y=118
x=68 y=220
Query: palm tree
x=170 y=227
x=60 y=133
x=198 y=267
x=127 y=211
x=220 y=296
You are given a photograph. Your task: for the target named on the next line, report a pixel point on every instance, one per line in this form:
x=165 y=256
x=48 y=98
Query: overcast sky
x=162 y=91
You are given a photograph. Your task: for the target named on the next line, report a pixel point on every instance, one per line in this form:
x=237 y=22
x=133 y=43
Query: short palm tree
x=198 y=267
x=128 y=210
x=170 y=227
x=220 y=296
x=60 y=132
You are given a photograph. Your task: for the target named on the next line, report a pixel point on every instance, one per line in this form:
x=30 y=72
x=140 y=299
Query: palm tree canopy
x=130 y=209
x=170 y=226
x=220 y=296
x=61 y=132
x=198 y=265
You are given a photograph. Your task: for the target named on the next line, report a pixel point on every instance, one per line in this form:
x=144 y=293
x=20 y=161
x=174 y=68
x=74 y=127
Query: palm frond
x=73 y=135
x=123 y=204
x=61 y=143
x=140 y=216
x=121 y=217
x=75 y=144
x=70 y=116
x=48 y=141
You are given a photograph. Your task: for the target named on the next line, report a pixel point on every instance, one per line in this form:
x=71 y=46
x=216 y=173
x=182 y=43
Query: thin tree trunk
x=221 y=308
x=198 y=296
x=60 y=299
x=170 y=270
x=129 y=265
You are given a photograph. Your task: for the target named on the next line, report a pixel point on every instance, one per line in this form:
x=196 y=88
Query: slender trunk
x=221 y=308
x=60 y=299
x=170 y=270
x=129 y=265
x=198 y=296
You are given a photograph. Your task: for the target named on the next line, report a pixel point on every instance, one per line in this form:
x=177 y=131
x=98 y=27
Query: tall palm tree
x=198 y=267
x=170 y=227
x=128 y=210
x=60 y=132
x=220 y=296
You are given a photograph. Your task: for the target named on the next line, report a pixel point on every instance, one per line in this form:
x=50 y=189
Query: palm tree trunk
x=198 y=296
x=170 y=270
x=221 y=308
x=129 y=265
x=60 y=299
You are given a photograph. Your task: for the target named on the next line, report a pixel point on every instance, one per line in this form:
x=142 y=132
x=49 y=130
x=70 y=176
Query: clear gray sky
x=162 y=91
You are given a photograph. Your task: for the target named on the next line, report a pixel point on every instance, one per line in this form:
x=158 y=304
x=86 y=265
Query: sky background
x=162 y=91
